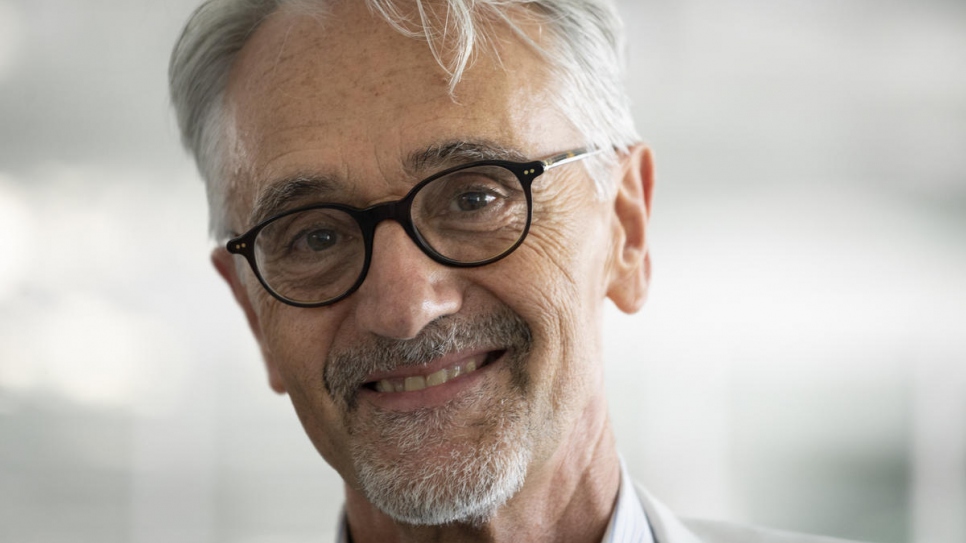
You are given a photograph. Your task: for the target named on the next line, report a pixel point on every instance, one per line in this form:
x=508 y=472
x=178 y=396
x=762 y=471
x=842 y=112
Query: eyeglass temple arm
x=568 y=157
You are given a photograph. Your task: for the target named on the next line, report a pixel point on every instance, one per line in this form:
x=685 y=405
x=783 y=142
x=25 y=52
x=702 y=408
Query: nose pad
x=404 y=289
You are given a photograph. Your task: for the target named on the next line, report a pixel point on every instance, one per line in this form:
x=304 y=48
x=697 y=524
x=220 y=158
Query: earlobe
x=225 y=264
x=630 y=270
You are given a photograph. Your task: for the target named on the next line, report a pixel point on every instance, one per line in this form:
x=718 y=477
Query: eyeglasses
x=466 y=216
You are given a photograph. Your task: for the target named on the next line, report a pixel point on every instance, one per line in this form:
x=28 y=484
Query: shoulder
x=668 y=528
x=708 y=531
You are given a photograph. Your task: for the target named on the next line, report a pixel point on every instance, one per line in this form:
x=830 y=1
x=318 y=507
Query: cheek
x=323 y=425
x=298 y=342
x=559 y=286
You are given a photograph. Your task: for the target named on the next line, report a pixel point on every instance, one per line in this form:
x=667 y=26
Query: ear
x=630 y=271
x=225 y=264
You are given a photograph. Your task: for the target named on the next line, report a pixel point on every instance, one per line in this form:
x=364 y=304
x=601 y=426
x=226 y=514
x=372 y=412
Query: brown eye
x=473 y=201
x=320 y=240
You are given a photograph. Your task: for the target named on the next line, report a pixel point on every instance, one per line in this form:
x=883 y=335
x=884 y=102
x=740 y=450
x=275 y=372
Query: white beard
x=441 y=465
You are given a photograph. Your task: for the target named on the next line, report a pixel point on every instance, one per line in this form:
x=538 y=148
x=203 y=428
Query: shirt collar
x=629 y=523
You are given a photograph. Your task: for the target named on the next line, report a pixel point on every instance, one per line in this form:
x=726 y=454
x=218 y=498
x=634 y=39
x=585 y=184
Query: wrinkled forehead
x=345 y=95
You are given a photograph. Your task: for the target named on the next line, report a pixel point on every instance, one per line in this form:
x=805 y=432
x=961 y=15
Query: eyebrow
x=288 y=192
x=452 y=153
x=283 y=194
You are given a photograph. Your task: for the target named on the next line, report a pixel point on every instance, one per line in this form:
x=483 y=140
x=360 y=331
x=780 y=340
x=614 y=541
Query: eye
x=321 y=239
x=473 y=201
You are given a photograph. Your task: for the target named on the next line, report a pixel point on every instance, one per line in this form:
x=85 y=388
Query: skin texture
x=351 y=101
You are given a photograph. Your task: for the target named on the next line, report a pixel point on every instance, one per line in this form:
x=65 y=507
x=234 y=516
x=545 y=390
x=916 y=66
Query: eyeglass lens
x=468 y=216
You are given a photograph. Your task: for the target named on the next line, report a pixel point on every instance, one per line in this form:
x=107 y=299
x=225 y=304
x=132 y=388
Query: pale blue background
x=801 y=362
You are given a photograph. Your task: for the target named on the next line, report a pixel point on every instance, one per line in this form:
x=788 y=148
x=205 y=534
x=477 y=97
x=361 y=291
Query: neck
x=568 y=497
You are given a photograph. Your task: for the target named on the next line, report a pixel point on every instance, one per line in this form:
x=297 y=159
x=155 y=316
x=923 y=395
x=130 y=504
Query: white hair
x=584 y=58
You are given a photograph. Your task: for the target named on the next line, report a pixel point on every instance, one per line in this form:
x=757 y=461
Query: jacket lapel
x=665 y=525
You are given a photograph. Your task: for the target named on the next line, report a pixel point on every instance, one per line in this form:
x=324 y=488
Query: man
x=422 y=208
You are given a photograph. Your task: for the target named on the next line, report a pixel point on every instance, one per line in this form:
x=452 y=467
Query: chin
x=437 y=465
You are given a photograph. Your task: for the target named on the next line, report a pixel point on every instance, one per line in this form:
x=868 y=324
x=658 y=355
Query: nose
x=404 y=289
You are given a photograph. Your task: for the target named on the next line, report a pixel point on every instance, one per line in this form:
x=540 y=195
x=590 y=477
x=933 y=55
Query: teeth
x=415 y=383
x=437 y=378
x=419 y=382
x=384 y=386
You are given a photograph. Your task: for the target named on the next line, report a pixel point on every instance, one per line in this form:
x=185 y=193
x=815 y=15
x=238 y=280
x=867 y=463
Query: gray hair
x=584 y=59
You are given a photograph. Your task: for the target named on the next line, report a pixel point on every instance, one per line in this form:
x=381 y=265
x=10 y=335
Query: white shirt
x=628 y=523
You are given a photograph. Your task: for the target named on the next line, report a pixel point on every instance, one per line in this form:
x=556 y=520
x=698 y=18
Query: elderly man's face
x=357 y=104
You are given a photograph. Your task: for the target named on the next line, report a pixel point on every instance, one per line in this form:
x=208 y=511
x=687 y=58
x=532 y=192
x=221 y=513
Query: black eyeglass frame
x=401 y=212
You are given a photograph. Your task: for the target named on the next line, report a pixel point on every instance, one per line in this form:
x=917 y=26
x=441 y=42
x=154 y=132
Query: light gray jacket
x=668 y=528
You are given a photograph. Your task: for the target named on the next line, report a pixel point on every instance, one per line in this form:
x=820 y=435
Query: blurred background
x=801 y=362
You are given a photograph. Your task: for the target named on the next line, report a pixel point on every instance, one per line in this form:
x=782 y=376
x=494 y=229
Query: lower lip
x=429 y=396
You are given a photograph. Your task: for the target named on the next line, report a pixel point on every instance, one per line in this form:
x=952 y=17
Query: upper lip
x=432 y=366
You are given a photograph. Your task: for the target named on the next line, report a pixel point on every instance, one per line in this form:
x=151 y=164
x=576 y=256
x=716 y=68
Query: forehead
x=346 y=96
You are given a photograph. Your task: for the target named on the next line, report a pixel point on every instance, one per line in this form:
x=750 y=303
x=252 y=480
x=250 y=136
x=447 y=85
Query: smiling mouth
x=414 y=382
